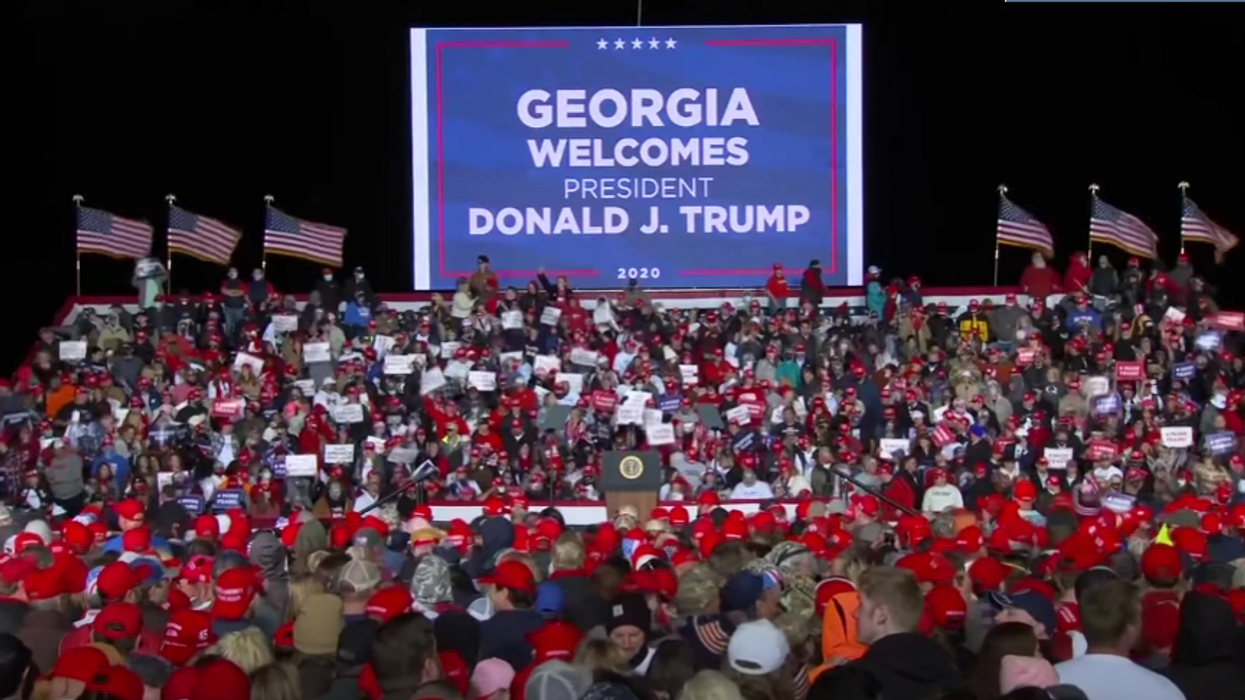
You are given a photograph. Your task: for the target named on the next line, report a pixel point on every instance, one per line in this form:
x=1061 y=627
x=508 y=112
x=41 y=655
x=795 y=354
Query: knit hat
x=1020 y=671
x=318 y=624
x=557 y=680
x=629 y=610
x=490 y=676
x=742 y=591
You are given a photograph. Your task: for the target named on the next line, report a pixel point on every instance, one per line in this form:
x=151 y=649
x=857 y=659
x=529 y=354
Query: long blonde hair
x=275 y=682
x=710 y=685
x=248 y=648
x=601 y=655
x=302 y=587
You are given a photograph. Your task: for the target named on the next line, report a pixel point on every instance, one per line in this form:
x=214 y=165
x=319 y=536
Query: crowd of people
x=235 y=495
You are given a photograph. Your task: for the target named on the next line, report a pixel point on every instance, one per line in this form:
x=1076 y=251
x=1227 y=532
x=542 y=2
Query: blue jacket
x=120 y=467
x=357 y=315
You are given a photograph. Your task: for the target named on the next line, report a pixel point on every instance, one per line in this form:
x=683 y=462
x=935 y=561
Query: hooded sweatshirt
x=1207 y=657
x=910 y=666
x=838 y=633
x=269 y=555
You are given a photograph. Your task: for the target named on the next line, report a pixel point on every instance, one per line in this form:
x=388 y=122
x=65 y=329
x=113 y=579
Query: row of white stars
x=603 y=44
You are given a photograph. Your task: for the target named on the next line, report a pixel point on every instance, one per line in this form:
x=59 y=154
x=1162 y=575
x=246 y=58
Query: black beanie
x=629 y=609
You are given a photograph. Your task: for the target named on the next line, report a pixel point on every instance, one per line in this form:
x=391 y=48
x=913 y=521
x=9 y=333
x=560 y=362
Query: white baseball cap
x=757 y=648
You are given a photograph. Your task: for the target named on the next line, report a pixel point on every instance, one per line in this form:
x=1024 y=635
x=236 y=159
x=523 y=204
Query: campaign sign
x=680 y=156
x=192 y=504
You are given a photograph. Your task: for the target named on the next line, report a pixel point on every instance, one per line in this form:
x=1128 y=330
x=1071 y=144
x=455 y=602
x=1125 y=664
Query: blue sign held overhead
x=192 y=504
x=680 y=156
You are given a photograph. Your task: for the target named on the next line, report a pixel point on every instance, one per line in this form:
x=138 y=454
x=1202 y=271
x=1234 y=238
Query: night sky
x=311 y=105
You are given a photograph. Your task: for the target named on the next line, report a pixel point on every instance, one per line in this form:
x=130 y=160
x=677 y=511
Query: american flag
x=1197 y=226
x=299 y=238
x=1123 y=230
x=201 y=237
x=109 y=234
x=1019 y=228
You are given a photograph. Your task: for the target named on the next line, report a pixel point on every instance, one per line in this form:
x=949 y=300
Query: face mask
x=328 y=278
x=233 y=275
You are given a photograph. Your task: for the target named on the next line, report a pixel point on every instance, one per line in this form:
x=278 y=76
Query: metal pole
x=168 y=252
x=77 y=203
x=263 y=261
x=1183 y=186
x=872 y=491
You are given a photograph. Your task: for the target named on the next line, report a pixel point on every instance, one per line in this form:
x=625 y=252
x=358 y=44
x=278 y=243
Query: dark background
x=222 y=103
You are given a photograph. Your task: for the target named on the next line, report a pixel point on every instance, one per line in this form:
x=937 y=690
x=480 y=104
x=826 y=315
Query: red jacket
x=1039 y=282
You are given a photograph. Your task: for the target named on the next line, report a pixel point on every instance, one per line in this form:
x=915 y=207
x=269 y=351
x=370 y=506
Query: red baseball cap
x=388 y=603
x=117 y=579
x=987 y=573
x=512 y=574
x=117 y=682
x=235 y=589
x=229 y=682
x=118 y=621
x=137 y=539
x=197 y=569
x=455 y=670
x=76 y=536
x=207 y=527
x=180 y=683
x=130 y=509
x=555 y=640
x=1161 y=563
x=1025 y=490
x=187 y=633
x=24 y=540
x=43 y=584
x=946 y=606
x=79 y=663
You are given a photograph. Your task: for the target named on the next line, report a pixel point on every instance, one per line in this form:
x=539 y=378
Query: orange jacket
x=838 y=633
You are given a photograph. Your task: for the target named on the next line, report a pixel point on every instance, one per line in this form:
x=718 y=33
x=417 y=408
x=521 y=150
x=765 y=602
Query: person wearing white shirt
x=941 y=496
x=1111 y=623
x=752 y=489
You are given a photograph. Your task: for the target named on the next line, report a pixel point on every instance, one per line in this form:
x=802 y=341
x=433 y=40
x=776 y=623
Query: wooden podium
x=631 y=479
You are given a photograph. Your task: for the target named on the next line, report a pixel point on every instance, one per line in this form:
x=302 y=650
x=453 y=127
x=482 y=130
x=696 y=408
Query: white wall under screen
x=682 y=156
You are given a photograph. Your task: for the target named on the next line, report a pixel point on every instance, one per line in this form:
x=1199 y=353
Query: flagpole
x=1002 y=193
x=1183 y=186
x=263 y=265
x=168 y=251
x=77 y=254
x=1093 y=193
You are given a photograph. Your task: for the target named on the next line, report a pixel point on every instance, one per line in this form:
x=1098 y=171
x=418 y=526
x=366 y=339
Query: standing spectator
x=1105 y=280
x=356 y=285
x=1206 y=658
x=812 y=288
x=484 y=282
x=64 y=473
x=258 y=290
x=777 y=290
x=1077 y=279
x=329 y=290
x=235 y=300
x=1111 y=623
x=512 y=593
x=905 y=662
x=1039 y=280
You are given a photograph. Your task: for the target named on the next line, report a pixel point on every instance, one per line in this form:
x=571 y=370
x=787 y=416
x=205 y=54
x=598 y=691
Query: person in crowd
x=908 y=506
x=1110 y=616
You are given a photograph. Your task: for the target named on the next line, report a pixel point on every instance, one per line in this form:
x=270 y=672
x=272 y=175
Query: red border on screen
x=834 y=170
